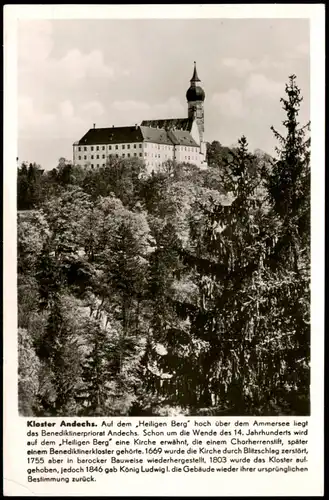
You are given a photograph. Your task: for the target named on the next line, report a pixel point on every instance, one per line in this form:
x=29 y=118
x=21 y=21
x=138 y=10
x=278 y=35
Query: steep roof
x=121 y=135
x=182 y=138
x=112 y=135
x=157 y=135
x=170 y=123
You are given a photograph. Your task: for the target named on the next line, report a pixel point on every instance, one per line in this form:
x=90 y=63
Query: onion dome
x=195 y=92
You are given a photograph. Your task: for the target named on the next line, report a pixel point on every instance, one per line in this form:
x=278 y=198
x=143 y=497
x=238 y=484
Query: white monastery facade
x=153 y=141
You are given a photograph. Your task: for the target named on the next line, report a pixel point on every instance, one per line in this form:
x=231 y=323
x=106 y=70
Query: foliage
x=28 y=186
x=28 y=374
x=181 y=292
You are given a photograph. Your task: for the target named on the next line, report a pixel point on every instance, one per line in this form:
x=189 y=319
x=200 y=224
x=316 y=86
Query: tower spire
x=195 y=77
x=195 y=97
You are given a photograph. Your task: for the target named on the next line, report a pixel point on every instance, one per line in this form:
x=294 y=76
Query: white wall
x=189 y=154
x=156 y=154
x=89 y=154
x=95 y=155
x=195 y=132
x=153 y=154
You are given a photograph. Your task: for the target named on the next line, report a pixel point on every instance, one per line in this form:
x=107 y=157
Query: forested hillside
x=180 y=292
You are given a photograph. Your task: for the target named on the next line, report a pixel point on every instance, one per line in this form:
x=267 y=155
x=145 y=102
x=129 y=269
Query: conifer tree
x=289 y=180
x=289 y=195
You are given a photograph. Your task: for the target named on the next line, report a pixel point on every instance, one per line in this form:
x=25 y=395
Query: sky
x=74 y=73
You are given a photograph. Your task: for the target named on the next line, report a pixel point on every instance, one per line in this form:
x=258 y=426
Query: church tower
x=195 y=97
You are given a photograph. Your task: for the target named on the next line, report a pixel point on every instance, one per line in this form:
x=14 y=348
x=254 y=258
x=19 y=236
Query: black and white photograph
x=163 y=217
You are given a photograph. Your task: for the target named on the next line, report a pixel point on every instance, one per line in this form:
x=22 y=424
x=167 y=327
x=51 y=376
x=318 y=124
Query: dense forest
x=180 y=292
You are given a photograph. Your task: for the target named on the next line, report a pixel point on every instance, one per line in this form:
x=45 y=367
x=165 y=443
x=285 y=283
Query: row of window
x=103 y=156
x=128 y=146
x=187 y=158
x=190 y=149
x=148 y=164
x=134 y=146
x=159 y=146
x=97 y=157
x=193 y=158
x=128 y=155
x=85 y=148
